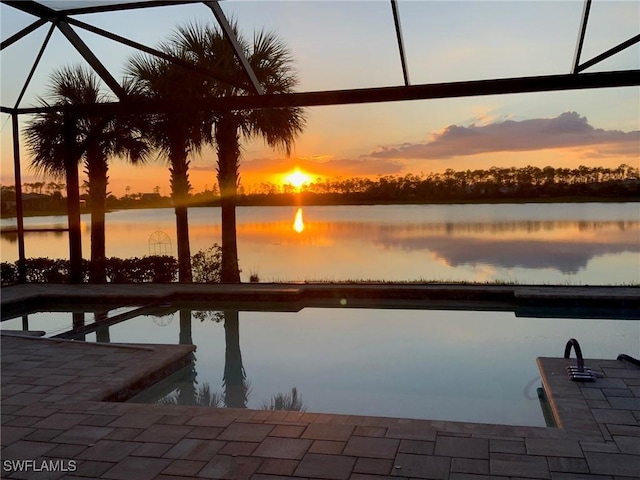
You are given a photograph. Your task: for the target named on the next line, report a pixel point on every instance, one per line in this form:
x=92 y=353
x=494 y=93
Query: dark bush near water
x=154 y=268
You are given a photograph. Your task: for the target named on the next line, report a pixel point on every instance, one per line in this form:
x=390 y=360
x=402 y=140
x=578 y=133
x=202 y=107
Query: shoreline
x=577 y=199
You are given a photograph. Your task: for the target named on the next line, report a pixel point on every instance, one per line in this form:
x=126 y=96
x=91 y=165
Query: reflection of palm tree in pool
x=236 y=387
x=234 y=379
x=78 y=322
x=187 y=392
x=185 y=328
x=187 y=389
x=286 y=401
x=102 y=333
x=184 y=386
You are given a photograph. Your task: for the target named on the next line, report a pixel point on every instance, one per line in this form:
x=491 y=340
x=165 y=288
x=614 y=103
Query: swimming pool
x=54 y=323
x=476 y=366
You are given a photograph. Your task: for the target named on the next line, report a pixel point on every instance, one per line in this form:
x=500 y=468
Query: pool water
x=55 y=323
x=475 y=366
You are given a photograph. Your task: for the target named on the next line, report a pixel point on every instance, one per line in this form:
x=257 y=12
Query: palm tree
x=98 y=139
x=175 y=135
x=271 y=61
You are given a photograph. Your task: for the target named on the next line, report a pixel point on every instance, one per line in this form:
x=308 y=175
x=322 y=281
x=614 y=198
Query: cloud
x=568 y=130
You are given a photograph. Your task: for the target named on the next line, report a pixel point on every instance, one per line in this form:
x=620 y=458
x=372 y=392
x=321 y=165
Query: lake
x=574 y=244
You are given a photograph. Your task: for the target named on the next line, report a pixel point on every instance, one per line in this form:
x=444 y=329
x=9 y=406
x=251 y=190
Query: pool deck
x=576 y=301
x=54 y=407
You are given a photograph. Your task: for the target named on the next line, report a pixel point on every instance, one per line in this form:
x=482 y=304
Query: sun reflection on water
x=298 y=224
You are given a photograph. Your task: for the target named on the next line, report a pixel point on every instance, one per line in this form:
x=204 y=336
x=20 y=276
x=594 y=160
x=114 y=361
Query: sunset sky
x=340 y=45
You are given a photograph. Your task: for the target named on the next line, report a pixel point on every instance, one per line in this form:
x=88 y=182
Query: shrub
x=206 y=265
x=158 y=268
x=154 y=268
x=8 y=273
x=46 y=270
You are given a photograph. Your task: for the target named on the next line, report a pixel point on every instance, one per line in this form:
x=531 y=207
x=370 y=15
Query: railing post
x=22 y=262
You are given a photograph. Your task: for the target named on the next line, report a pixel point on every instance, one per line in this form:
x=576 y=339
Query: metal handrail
x=576 y=346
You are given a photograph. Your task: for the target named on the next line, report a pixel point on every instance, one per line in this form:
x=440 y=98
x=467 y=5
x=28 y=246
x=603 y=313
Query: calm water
x=585 y=243
x=446 y=365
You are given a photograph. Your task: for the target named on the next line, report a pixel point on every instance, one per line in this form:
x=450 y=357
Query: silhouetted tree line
x=494 y=183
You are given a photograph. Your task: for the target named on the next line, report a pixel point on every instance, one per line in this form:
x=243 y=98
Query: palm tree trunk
x=227 y=140
x=180 y=193
x=184 y=251
x=230 y=271
x=97 y=172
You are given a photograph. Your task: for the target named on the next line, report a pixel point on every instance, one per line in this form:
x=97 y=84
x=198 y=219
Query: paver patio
x=54 y=410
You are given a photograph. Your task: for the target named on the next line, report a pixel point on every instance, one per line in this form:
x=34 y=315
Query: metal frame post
x=22 y=263
x=581 y=34
x=403 y=59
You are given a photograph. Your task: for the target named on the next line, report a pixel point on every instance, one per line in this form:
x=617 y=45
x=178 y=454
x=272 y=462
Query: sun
x=297 y=178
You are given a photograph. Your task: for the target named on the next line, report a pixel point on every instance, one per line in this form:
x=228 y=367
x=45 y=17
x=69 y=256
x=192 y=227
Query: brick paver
x=462 y=447
x=194 y=449
x=421 y=466
x=138 y=468
x=322 y=431
x=613 y=464
x=286 y=448
x=372 y=447
x=331 y=467
x=512 y=465
x=227 y=467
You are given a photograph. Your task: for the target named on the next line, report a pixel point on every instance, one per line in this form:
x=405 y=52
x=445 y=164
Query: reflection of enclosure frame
x=64 y=21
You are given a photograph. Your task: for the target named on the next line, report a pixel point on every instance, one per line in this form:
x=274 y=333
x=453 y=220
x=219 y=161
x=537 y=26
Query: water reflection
x=298 y=223
x=578 y=243
x=235 y=378
x=184 y=388
x=78 y=322
x=564 y=246
x=567 y=255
